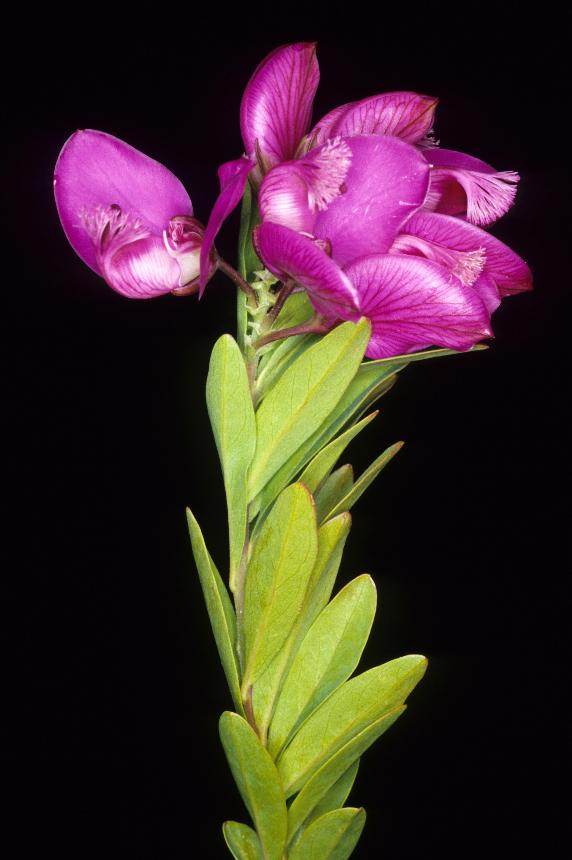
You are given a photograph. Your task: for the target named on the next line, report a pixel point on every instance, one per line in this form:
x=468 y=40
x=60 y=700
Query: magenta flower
x=332 y=222
x=233 y=176
x=276 y=107
x=275 y=115
x=128 y=217
x=368 y=215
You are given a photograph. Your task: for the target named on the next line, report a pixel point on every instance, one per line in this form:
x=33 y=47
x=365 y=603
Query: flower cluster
x=363 y=210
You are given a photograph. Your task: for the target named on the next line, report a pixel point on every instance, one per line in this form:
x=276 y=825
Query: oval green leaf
x=219 y=607
x=367 y=386
x=232 y=418
x=319 y=468
x=277 y=578
x=348 y=711
x=331 y=539
x=317 y=789
x=242 y=841
x=303 y=398
x=258 y=782
x=363 y=482
x=326 y=658
x=336 y=487
x=332 y=836
x=338 y=793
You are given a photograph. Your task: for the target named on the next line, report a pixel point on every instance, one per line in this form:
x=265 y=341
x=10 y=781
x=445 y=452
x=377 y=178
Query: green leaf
x=320 y=466
x=257 y=779
x=365 y=479
x=277 y=578
x=337 y=795
x=338 y=486
x=242 y=841
x=219 y=607
x=365 y=388
x=232 y=417
x=285 y=354
x=318 y=788
x=332 y=537
x=350 y=709
x=332 y=836
x=267 y=687
x=280 y=354
x=303 y=397
x=428 y=353
x=296 y=310
x=326 y=658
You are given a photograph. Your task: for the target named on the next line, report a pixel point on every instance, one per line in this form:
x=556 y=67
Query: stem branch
x=317 y=325
x=238 y=280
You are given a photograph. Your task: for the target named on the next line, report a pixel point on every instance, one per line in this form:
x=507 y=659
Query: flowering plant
x=360 y=237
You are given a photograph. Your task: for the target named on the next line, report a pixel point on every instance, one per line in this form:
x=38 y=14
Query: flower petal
x=463 y=185
x=414 y=303
x=509 y=271
x=277 y=103
x=96 y=170
x=400 y=114
x=386 y=183
x=324 y=129
x=488 y=292
x=142 y=269
x=232 y=176
x=289 y=255
x=292 y=193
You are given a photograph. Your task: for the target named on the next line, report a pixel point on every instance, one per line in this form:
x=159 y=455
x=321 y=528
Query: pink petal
x=232 y=176
x=386 y=183
x=400 y=114
x=509 y=271
x=277 y=103
x=142 y=269
x=292 y=193
x=324 y=129
x=414 y=303
x=289 y=255
x=488 y=292
x=463 y=185
x=96 y=170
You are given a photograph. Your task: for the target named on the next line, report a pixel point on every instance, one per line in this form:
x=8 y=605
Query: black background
x=111 y=687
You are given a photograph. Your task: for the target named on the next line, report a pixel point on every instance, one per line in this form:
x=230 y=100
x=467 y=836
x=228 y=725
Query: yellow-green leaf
x=336 y=487
x=354 y=706
x=331 y=837
x=303 y=398
x=219 y=607
x=331 y=540
x=326 y=658
x=320 y=466
x=367 y=386
x=360 y=486
x=318 y=787
x=277 y=578
x=337 y=795
x=232 y=417
x=257 y=779
x=242 y=841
